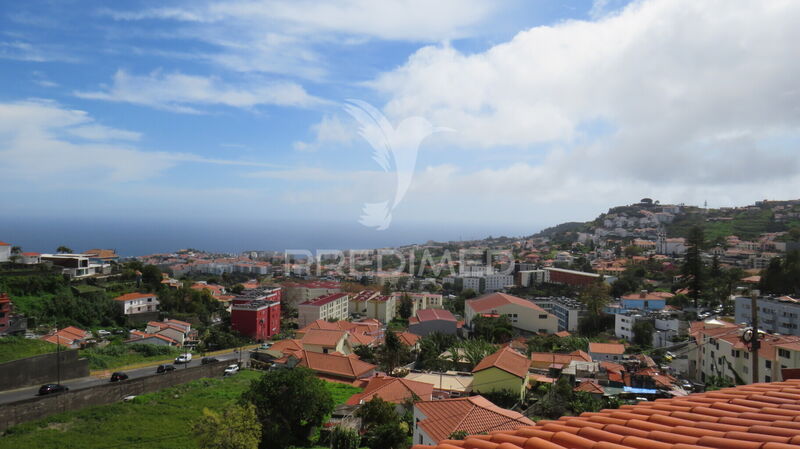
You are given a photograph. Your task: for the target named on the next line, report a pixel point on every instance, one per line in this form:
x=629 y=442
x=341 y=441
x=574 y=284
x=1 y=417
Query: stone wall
x=42 y=369
x=40 y=407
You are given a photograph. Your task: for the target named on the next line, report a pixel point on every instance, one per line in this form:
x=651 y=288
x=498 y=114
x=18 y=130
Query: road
x=90 y=381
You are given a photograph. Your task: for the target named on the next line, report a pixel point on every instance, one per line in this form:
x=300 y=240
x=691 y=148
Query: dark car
x=52 y=388
x=118 y=376
x=165 y=368
x=207 y=360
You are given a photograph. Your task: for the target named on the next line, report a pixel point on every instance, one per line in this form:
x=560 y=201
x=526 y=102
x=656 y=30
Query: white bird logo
x=400 y=145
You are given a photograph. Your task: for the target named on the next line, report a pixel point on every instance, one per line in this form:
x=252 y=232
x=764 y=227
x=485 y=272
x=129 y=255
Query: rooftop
x=606 y=348
x=507 y=360
x=758 y=416
x=324 y=299
x=495 y=300
x=472 y=414
x=132 y=296
x=393 y=389
x=435 y=314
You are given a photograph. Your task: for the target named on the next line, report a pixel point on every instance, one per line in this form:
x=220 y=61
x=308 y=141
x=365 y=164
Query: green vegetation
x=782 y=276
x=161 y=420
x=118 y=355
x=13 y=348
x=235 y=428
x=154 y=421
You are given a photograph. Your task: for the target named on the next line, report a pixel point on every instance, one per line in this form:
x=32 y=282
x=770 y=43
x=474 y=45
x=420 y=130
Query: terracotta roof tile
x=328 y=338
x=495 y=300
x=473 y=414
x=507 y=360
x=758 y=416
x=393 y=389
x=335 y=365
x=606 y=348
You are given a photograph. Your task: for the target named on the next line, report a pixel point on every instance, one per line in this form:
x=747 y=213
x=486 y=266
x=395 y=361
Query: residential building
x=506 y=369
x=721 y=352
x=71 y=337
x=449 y=384
x=762 y=416
x=179 y=331
x=371 y=304
x=327 y=341
x=569 y=311
x=528 y=278
x=666 y=326
x=135 y=303
x=420 y=301
x=610 y=352
x=327 y=307
x=30 y=258
x=259 y=319
x=645 y=300
x=335 y=367
x=522 y=313
x=428 y=321
x=75 y=266
x=549 y=361
x=570 y=277
x=357 y=304
x=160 y=339
x=776 y=315
x=393 y=389
x=5 y=252
x=435 y=421
x=298 y=292
x=102 y=255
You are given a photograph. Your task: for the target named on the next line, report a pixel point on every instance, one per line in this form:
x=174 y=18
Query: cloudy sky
x=213 y=112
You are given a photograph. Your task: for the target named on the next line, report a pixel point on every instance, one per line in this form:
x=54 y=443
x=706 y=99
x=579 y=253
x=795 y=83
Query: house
x=160 y=339
x=5 y=252
x=428 y=321
x=420 y=300
x=327 y=341
x=506 y=369
x=435 y=421
x=135 y=303
x=409 y=339
x=606 y=351
x=102 y=255
x=257 y=319
x=393 y=389
x=759 y=416
x=335 y=367
x=522 y=313
x=327 y=307
x=449 y=384
x=645 y=300
x=175 y=330
x=591 y=387
x=30 y=258
x=71 y=337
x=546 y=361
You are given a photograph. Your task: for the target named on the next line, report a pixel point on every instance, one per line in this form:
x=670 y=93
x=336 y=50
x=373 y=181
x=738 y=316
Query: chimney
x=643 y=293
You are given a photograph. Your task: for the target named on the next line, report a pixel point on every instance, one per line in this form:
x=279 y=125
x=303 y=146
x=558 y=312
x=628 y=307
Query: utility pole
x=754 y=343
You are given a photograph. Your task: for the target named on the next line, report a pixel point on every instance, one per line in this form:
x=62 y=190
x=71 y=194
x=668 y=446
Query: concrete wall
x=42 y=369
x=40 y=407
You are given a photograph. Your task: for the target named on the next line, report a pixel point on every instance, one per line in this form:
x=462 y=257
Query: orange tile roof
x=393 y=389
x=408 y=338
x=590 y=386
x=435 y=314
x=495 y=300
x=323 y=337
x=131 y=296
x=606 y=348
x=544 y=359
x=335 y=365
x=472 y=414
x=360 y=338
x=507 y=360
x=757 y=416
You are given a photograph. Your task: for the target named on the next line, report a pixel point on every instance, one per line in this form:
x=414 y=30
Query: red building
x=257 y=313
x=5 y=312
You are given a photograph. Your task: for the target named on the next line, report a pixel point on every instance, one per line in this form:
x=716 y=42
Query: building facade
x=326 y=307
x=523 y=314
x=257 y=319
x=134 y=303
x=569 y=311
x=776 y=315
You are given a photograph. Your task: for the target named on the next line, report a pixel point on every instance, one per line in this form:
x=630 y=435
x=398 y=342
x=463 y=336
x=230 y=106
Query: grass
x=13 y=348
x=117 y=356
x=160 y=420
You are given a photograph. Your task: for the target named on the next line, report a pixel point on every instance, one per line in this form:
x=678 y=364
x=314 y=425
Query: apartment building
x=327 y=307
x=776 y=315
x=420 y=301
x=569 y=311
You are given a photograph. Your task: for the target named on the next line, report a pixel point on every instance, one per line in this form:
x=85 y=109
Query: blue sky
x=188 y=112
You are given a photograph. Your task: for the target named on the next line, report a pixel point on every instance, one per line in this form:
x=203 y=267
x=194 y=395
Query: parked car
x=231 y=369
x=118 y=376
x=165 y=368
x=207 y=360
x=52 y=388
x=184 y=358
x=103 y=333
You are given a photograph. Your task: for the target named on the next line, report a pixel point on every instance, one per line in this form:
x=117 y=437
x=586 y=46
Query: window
x=767 y=379
x=784 y=353
x=542 y=317
x=768 y=364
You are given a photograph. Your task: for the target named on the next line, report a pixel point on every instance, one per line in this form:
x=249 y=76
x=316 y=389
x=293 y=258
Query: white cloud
x=180 y=93
x=330 y=130
x=692 y=94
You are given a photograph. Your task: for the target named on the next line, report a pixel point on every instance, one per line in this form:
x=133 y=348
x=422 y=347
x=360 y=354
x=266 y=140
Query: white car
x=103 y=333
x=231 y=369
x=184 y=358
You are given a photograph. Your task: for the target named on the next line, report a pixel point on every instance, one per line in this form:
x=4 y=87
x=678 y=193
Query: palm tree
x=63 y=250
x=15 y=254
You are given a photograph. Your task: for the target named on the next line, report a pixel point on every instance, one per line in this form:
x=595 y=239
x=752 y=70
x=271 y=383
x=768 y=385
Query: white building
x=133 y=303
x=568 y=311
x=327 y=307
x=777 y=315
x=5 y=252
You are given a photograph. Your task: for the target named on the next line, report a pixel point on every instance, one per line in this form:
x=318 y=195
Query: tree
x=376 y=412
x=344 y=438
x=151 y=277
x=693 y=263
x=383 y=426
x=595 y=297
x=392 y=353
x=494 y=329
x=430 y=348
x=365 y=353
x=474 y=350
x=290 y=403
x=15 y=253
x=236 y=428
x=64 y=250
x=643 y=333
x=406 y=306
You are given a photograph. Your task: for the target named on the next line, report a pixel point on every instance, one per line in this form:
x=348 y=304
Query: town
x=653 y=325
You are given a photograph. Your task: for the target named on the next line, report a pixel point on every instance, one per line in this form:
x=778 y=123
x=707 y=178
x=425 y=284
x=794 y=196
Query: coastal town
x=438 y=344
